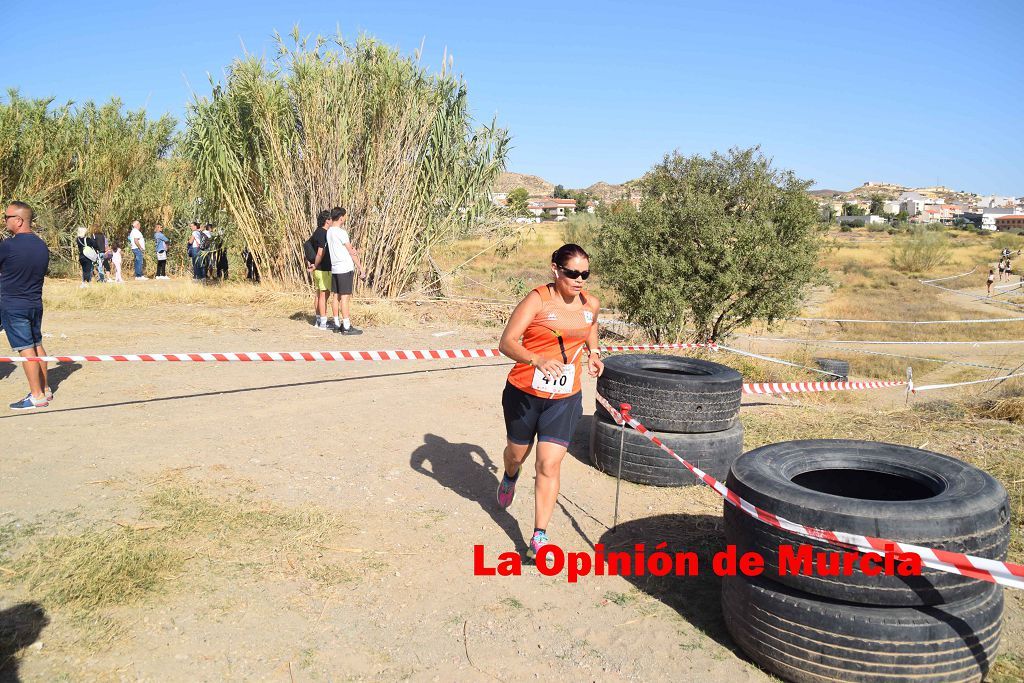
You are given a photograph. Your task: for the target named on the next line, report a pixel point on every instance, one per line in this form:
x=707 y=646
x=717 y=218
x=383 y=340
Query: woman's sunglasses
x=573 y=274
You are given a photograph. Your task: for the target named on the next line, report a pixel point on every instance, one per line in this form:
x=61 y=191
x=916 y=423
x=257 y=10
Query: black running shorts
x=341 y=283
x=549 y=419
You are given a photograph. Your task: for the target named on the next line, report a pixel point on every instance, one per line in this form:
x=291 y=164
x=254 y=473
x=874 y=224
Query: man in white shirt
x=195 y=241
x=138 y=245
x=344 y=260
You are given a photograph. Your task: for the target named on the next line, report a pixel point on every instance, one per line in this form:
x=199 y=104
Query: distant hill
x=608 y=192
x=535 y=185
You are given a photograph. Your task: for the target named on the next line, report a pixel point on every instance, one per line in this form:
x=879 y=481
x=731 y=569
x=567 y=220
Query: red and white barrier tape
x=314 y=356
x=814 y=387
x=1004 y=573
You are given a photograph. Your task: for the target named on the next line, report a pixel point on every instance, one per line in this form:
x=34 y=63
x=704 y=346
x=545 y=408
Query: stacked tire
x=814 y=627
x=690 y=405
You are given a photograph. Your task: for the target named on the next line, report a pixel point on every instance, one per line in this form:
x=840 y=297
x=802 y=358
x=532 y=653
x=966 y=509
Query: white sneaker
x=142 y=277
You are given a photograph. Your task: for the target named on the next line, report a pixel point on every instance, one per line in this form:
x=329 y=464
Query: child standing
x=116 y=260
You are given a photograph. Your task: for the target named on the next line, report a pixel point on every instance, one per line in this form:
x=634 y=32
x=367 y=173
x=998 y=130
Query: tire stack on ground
x=691 y=405
x=934 y=627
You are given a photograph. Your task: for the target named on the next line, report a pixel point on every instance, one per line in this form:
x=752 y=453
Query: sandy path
x=407 y=454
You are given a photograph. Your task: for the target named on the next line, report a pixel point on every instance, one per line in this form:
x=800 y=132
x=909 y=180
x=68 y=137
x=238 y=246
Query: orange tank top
x=558 y=332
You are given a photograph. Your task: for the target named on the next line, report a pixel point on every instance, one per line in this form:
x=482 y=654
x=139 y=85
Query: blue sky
x=906 y=92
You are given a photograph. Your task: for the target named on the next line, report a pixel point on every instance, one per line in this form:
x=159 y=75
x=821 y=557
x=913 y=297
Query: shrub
x=716 y=243
x=581 y=229
x=845 y=228
x=920 y=251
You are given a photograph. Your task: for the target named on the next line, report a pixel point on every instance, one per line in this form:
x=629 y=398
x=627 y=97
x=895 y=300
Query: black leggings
x=86 y=268
x=161 y=268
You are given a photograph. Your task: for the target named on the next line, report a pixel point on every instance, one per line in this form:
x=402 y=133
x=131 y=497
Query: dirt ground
x=403 y=456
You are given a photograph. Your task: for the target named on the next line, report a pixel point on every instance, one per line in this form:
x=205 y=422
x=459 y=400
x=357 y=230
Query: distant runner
x=542 y=396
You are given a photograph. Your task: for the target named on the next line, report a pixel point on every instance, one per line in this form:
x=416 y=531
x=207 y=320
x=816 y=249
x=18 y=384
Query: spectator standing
x=24 y=260
x=195 y=243
x=991 y=279
x=87 y=255
x=252 y=273
x=321 y=269
x=344 y=260
x=102 y=256
x=138 y=245
x=161 y=252
x=115 y=258
x=221 y=258
x=207 y=248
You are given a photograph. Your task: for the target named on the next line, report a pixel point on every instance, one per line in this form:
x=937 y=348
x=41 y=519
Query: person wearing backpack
x=318 y=261
x=87 y=255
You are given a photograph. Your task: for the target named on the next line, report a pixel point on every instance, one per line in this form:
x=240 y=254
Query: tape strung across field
x=315 y=356
x=1004 y=573
x=791 y=340
x=758 y=388
x=1019 y=319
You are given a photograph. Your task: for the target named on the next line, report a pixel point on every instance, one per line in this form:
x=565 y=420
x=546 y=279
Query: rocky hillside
x=536 y=186
x=607 y=192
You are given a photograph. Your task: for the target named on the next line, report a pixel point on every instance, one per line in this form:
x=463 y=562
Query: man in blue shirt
x=24 y=260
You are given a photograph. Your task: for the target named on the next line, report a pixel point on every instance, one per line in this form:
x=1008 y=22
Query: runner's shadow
x=56 y=376
x=7 y=369
x=697 y=599
x=454 y=467
x=20 y=626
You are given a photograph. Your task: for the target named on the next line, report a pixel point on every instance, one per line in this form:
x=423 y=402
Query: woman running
x=542 y=397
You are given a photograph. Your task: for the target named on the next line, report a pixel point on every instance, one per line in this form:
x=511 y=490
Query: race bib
x=588 y=317
x=560 y=385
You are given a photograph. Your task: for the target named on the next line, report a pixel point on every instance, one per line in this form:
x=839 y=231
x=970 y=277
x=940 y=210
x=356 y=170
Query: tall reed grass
x=328 y=122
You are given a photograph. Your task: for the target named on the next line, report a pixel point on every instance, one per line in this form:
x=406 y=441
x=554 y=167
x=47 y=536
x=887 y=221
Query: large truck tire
x=874 y=489
x=645 y=463
x=673 y=394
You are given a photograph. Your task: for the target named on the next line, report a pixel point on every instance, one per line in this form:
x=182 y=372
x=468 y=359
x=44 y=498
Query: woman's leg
x=514 y=456
x=549 y=470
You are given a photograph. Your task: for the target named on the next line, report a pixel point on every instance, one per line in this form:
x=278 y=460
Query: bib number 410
x=555 y=385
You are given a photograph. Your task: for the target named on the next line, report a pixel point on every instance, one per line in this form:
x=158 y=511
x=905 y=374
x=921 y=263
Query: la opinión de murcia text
x=800 y=559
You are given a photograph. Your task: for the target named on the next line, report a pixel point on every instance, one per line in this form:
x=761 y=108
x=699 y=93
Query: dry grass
x=184 y=536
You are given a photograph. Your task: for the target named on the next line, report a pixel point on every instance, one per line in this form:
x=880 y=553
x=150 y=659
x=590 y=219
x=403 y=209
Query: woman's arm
x=594 y=364
x=511 y=346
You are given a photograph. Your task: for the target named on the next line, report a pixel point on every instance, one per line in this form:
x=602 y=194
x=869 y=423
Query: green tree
x=853 y=210
x=518 y=200
x=716 y=243
x=582 y=198
x=560 y=192
x=877 y=204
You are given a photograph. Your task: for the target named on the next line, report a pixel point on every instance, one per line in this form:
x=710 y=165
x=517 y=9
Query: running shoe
x=349 y=330
x=506 y=491
x=49 y=394
x=28 y=403
x=539 y=540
